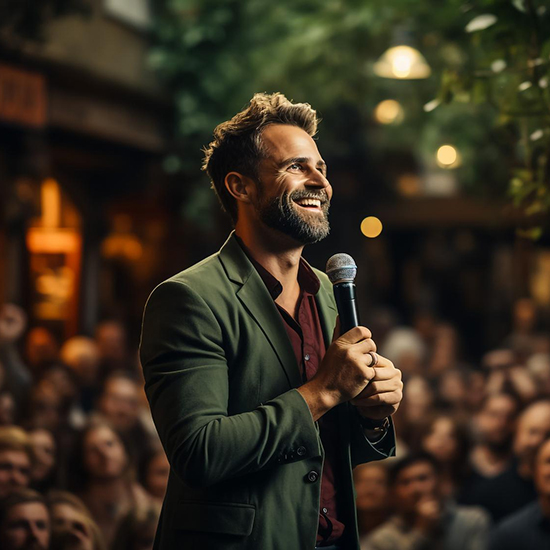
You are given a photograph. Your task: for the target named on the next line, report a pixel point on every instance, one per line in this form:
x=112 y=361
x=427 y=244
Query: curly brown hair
x=238 y=145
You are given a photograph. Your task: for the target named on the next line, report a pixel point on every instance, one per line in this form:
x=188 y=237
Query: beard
x=281 y=213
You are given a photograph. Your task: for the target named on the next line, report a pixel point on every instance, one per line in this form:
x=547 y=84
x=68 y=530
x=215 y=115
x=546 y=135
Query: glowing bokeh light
x=447 y=156
x=389 y=111
x=371 y=227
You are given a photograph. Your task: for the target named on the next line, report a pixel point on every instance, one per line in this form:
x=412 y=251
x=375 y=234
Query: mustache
x=299 y=195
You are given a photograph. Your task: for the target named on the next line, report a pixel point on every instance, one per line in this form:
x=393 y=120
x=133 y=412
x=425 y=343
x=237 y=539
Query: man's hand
x=343 y=373
x=382 y=396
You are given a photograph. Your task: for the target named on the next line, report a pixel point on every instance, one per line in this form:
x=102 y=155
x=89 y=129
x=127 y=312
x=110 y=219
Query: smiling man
x=262 y=407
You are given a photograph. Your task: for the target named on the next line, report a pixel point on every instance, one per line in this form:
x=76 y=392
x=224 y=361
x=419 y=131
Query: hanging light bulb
x=402 y=62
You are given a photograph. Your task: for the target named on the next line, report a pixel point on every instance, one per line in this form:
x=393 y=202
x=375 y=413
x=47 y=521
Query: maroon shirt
x=306 y=336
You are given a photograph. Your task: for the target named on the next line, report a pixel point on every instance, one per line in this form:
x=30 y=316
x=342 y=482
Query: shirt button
x=306 y=356
x=325 y=511
x=312 y=476
x=301 y=451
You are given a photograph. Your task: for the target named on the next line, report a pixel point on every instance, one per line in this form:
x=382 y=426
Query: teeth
x=309 y=202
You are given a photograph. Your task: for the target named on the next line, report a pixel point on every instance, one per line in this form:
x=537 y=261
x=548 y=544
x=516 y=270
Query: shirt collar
x=308 y=281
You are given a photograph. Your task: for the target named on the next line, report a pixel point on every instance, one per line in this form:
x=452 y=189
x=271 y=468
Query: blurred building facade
x=84 y=126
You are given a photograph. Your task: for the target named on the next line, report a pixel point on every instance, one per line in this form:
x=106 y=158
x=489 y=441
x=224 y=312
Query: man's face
x=120 y=403
x=371 y=486
x=532 y=429
x=73 y=527
x=26 y=527
x=542 y=470
x=293 y=192
x=496 y=421
x=415 y=483
x=15 y=470
x=104 y=454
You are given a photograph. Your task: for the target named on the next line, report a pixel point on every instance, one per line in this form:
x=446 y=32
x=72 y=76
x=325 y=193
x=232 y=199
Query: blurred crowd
x=473 y=459
x=81 y=466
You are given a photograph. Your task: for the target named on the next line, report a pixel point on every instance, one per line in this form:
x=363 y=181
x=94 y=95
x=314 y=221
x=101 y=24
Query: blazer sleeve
x=363 y=450
x=186 y=382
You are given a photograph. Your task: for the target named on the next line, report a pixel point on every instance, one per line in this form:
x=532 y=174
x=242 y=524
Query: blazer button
x=312 y=476
x=301 y=451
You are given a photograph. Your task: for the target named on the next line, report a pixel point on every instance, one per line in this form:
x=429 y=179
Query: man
x=256 y=419
x=530 y=526
x=492 y=455
x=372 y=496
x=24 y=521
x=16 y=458
x=506 y=493
x=423 y=519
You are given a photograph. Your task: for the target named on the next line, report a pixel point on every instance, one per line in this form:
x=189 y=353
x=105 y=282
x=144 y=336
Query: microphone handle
x=344 y=294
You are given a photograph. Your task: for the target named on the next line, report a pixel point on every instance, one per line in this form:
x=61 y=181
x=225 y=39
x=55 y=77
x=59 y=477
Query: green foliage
x=491 y=84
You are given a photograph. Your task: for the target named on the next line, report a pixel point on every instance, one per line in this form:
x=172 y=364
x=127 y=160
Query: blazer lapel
x=260 y=305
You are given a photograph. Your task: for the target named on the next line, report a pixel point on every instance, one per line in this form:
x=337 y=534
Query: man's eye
x=295 y=166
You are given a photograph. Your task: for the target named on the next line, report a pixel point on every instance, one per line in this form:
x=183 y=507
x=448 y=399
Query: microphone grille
x=341 y=268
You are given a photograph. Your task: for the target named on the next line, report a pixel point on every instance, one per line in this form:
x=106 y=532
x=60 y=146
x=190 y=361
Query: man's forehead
x=286 y=140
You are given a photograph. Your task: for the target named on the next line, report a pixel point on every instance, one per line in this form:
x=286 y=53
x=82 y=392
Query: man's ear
x=239 y=187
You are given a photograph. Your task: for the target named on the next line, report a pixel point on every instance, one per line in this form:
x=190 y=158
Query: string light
x=371 y=227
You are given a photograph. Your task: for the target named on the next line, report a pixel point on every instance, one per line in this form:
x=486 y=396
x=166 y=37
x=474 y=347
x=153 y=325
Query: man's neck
x=280 y=255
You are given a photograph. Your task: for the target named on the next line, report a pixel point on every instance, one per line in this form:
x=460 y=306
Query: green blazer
x=220 y=377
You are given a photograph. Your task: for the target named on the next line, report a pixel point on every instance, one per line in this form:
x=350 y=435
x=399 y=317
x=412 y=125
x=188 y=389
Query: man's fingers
x=385 y=398
x=355 y=335
x=377 y=386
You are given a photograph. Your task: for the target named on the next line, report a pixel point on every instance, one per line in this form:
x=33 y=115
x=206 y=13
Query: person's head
x=446 y=439
x=24 y=521
x=413 y=479
x=496 y=420
x=155 y=472
x=16 y=460
x=111 y=339
x=120 y=400
x=371 y=486
x=72 y=525
x=45 y=450
x=405 y=348
x=541 y=470
x=104 y=456
x=525 y=315
x=64 y=380
x=45 y=406
x=8 y=408
x=81 y=354
x=264 y=163
x=41 y=348
x=533 y=427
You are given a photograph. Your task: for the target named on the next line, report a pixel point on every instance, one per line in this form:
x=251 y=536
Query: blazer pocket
x=212 y=517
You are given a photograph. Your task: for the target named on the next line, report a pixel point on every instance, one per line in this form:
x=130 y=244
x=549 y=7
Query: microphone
x=341 y=270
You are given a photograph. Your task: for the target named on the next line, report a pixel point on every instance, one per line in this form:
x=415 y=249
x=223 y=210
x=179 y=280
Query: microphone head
x=341 y=268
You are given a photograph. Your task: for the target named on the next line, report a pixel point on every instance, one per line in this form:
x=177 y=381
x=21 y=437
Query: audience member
x=154 y=474
x=16 y=460
x=121 y=403
x=41 y=350
x=45 y=451
x=446 y=440
x=371 y=486
x=424 y=519
x=111 y=339
x=24 y=521
x=529 y=528
x=509 y=491
x=108 y=488
x=73 y=527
